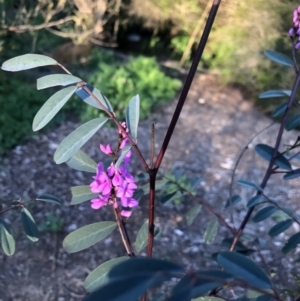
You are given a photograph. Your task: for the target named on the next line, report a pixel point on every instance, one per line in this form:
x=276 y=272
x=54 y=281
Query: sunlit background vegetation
x=121 y=46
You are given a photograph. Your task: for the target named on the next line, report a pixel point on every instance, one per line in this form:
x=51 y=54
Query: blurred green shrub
x=19 y=102
x=235 y=49
x=120 y=81
x=178 y=44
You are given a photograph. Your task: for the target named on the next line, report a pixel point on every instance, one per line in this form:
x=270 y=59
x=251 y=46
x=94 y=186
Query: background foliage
x=157 y=32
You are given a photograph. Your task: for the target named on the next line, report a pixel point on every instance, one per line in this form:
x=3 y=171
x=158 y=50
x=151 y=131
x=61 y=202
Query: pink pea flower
x=129 y=202
x=126 y=213
x=126 y=190
x=106 y=149
x=101 y=183
x=123 y=144
x=99 y=202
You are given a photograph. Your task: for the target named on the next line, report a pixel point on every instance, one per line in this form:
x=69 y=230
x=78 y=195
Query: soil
x=216 y=124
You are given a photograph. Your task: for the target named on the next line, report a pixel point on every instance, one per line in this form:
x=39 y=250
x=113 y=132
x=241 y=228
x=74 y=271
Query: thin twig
x=236 y=166
x=23 y=28
x=20 y=204
x=272 y=161
x=124 y=237
x=152 y=145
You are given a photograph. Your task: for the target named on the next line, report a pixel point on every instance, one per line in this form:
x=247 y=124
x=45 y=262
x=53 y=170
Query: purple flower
x=129 y=202
x=106 y=149
x=101 y=183
x=126 y=213
x=126 y=190
x=99 y=202
x=115 y=186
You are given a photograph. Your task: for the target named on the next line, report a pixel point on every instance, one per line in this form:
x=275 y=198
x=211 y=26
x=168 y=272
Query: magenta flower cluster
x=115 y=186
x=295 y=30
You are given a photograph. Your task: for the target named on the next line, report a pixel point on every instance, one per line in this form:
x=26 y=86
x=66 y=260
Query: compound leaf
x=82 y=194
x=87 y=236
x=193 y=213
x=6 y=239
x=292 y=123
x=244 y=268
x=233 y=201
x=267 y=152
x=133 y=115
x=291 y=244
x=98 y=277
x=51 y=107
x=53 y=80
x=264 y=213
x=275 y=93
x=27 y=61
x=29 y=225
x=72 y=143
x=81 y=161
x=49 y=199
x=279 y=58
x=86 y=97
x=280 y=227
x=211 y=231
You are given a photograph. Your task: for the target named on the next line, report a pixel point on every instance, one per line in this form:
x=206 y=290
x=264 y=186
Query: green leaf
x=87 y=236
x=72 y=143
x=27 y=61
x=81 y=194
x=211 y=231
x=249 y=185
x=159 y=184
x=86 y=97
x=291 y=244
x=275 y=93
x=192 y=214
x=6 y=239
x=49 y=199
x=51 y=107
x=98 y=277
x=182 y=290
x=233 y=201
x=280 y=227
x=142 y=236
x=132 y=277
x=208 y=280
x=207 y=298
x=81 y=161
x=125 y=150
x=255 y=200
x=292 y=175
x=53 y=80
x=244 y=268
x=129 y=288
x=264 y=298
x=266 y=152
x=264 y=213
x=279 y=58
x=170 y=196
x=29 y=225
x=292 y=123
x=133 y=115
x=279 y=110
x=142 y=266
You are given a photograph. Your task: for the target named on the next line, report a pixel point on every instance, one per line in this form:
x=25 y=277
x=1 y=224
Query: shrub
x=119 y=81
x=19 y=102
